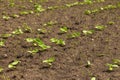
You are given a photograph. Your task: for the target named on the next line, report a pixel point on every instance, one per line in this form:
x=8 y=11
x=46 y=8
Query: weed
x=49 y=61
x=57 y=41
x=13 y=64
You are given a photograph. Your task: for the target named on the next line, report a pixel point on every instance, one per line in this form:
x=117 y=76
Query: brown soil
x=71 y=60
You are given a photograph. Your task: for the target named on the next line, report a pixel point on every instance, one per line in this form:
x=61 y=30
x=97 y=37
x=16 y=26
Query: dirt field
x=84 y=56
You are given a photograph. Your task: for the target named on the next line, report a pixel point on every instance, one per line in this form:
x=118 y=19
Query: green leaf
x=88 y=32
x=17 y=32
x=64 y=29
x=13 y=64
x=1 y=69
x=49 y=61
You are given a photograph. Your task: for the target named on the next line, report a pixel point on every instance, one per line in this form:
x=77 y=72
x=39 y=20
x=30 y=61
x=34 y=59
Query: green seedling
x=13 y=64
x=38 y=8
x=15 y=16
x=6 y=17
x=111 y=66
x=116 y=61
x=50 y=23
x=88 y=32
x=53 y=7
x=111 y=22
x=38 y=42
x=27 y=28
x=88 y=64
x=57 y=41
x=93 y=78
x=2 y=43
x=49 y=61
x=5 y=35
x=72 y=4
x=12 y=3
x=110 y=7
x=17 y=31
x=74 y=35
x=64 y=29
x=33 y=52
x=100 y=27
x=1 y=69
x=42 y=31
x=87 y=12
x=24 y=12
x=88 y=1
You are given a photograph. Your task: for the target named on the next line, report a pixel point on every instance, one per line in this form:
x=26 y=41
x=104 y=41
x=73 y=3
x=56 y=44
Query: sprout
x=13 y=64
x=49 y=61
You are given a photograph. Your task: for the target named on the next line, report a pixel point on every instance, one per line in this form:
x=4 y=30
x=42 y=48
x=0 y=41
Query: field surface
x=59 y=39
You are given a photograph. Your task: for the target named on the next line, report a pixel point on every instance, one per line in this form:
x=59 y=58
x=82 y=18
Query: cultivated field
x=59 y=39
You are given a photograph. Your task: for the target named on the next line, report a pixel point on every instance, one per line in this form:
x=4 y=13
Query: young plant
x=24 y=12
x=49 y=61
x=100 y=27
x=74 y=35
x=50 y=23
x=93 y=78
x=5 y=35
x=38 y=8
x=57 y=41
x=88 y=64
x=13 y=64
x=6 y=17
x=2 y=43
x=111 y=66
x=111 y=22
x=33 y=52
x=64 y=29
x=38 y=42
x=116 y=61
x=72 y=4
x=88 y=32
x=15 y=16
x=42 y=31
x=88 y=1
x=1 y=69
x=17 y=31
x=27 y=28
x=12 y=3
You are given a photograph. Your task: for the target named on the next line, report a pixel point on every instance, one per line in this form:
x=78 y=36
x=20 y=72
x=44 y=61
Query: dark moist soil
x=71 y=60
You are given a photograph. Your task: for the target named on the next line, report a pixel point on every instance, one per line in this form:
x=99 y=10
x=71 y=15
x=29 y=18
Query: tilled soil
x=71 y=60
